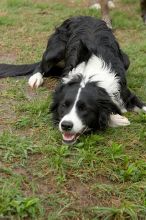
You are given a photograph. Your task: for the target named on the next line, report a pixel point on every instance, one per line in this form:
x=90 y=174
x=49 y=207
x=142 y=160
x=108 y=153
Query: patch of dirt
x=20 y=171
x=83 y=194
x=3 y=13
x=8 y=58
x=51 y=83
x=4 y=169
x=115 y=201
x=7 y=115
x=122 y=35
x=7 y=106
x=30 y=93
x=44 y=182
x=71 y=3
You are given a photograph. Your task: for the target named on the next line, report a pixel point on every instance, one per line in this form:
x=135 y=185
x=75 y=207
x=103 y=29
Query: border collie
x=93 y=92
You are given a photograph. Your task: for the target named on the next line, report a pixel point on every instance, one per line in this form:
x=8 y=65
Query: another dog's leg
x=105 y=12
x=97 y=5
x=53 y=54
x=143 y=10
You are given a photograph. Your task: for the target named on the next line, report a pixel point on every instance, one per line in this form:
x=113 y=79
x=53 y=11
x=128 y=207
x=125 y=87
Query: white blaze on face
x=73 y=117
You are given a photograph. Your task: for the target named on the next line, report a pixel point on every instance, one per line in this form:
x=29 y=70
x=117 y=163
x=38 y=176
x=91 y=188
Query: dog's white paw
x=35 y=80
x=144 y=109
x=118 y=120
x=95 y=6
x=138 y=110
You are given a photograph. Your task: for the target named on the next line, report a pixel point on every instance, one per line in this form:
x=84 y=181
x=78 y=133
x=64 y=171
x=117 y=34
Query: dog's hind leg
x=54 y=53
x=133 y=103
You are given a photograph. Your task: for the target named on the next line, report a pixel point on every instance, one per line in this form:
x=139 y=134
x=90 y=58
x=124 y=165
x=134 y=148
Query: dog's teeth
x=68 y=137
x=35 y=80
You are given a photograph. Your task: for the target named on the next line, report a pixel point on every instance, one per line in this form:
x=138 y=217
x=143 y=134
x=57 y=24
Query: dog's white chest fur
x=96 y=70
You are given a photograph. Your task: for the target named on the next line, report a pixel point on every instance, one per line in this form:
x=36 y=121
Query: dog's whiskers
x=86 y=129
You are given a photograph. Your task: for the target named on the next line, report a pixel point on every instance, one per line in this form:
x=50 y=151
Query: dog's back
x=87 y=36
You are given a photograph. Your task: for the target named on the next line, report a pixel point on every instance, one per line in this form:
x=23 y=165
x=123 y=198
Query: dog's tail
x=11 y=70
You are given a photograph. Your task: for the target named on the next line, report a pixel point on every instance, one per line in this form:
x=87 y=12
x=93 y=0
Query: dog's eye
x=81 y=107
x=66 y=104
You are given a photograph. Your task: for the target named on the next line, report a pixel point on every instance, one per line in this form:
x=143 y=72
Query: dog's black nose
x=66 y=125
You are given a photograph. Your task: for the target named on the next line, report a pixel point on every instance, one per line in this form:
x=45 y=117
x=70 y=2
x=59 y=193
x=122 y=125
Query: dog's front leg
x=118 y=121
x=53 y=54
x=73 y=54
x=36 y=79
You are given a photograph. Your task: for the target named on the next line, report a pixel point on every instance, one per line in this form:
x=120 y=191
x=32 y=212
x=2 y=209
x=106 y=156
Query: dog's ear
x=105 y=109
x=55 y=103
x=56 y=97
x=103 y=120
x=54 y=110
x=53 y=106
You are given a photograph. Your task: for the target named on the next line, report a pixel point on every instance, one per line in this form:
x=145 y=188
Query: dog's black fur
x=75 y=41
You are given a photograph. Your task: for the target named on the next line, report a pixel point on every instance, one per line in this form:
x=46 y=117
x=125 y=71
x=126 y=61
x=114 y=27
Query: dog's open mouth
x=69 y=138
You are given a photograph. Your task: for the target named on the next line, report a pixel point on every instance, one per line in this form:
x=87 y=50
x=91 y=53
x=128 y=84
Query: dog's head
x=77 y=109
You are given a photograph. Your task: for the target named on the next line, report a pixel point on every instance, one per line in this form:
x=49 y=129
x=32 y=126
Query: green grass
x=12 y=202
x=103 y=176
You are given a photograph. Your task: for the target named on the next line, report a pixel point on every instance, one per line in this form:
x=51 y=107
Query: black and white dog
x=93 y=92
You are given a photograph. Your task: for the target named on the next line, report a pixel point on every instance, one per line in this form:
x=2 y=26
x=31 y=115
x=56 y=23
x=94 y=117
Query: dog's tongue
x=68 y=136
